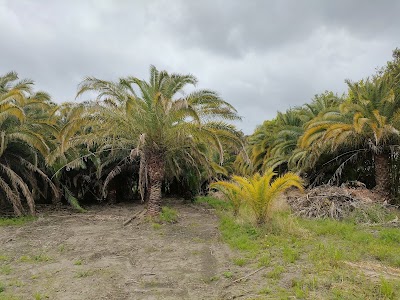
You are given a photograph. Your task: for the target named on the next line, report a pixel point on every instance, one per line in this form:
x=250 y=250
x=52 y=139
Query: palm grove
x=150 y=138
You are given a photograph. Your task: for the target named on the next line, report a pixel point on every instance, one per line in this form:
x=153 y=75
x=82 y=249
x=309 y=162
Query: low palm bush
x=259 y=191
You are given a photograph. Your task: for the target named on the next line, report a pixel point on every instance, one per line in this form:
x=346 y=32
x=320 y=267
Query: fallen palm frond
x=320 y=203
x=337 y=203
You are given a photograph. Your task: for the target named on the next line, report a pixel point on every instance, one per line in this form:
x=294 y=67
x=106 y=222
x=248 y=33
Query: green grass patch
x=19 y=221
x=168 y=215
x=240 y=261
x=34 y=258
x=39 y=296
x=4 y=296
x=156 y=226
x=372 y=214
x=313 y=255
x=349 y=241
x=214 y=202
x=5 y=270
x=291 y=254
x=264 y=260
x=387 y=289
x=78 y=262
x=276 y=272
x=227 y=274
x=241 y=237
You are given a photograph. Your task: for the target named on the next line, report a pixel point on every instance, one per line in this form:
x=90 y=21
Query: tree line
x=150 y=131
x=336 y=138
x=149 y=137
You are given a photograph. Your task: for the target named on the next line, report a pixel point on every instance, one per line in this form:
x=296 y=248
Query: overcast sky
x=261 y=56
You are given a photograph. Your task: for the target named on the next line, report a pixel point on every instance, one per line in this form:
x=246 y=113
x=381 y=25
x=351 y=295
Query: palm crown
x=25 y=130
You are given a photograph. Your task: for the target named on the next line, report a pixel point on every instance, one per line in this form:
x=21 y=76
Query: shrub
x=259 y=191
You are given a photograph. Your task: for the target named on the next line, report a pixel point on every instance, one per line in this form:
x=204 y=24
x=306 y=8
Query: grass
x=264 y=260
x=156 y=226
x=373 y=214
x=387 y=289
x=322 y=259
x=39 y=296
x=19 y=221
x=168 y=215
x=6 y=270
x=34 y=258
x=85 y=273
x=290 y=254
x=240 y=261
x=214 y=203
x=78 y=262
x=276 y=272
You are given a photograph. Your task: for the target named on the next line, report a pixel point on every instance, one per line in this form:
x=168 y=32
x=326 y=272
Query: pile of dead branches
x=325 y=202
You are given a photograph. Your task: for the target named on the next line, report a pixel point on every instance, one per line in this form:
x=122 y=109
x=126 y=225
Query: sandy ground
x=69 y=256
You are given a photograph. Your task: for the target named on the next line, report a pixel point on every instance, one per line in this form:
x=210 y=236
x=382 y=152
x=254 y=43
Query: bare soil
x=66 y=255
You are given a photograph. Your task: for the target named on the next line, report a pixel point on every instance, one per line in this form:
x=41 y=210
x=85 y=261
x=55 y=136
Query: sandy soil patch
x=69 y=256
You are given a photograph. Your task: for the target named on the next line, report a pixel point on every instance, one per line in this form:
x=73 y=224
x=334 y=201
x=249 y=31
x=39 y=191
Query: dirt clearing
x=70 y=256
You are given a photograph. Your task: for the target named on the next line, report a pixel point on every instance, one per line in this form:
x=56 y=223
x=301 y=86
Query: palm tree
x=289 y=129
x=157 y=122
x=367 y=121
x=252 y=158
x=24 y=123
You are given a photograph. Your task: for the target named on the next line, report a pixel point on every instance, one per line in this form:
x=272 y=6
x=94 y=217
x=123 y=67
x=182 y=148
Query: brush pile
x=329 y=202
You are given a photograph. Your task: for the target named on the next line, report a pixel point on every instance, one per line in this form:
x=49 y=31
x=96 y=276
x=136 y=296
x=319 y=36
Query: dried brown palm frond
x=331 y=202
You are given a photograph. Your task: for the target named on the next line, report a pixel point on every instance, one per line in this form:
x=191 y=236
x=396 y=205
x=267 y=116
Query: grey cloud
x=262 y=56
x=236 y=27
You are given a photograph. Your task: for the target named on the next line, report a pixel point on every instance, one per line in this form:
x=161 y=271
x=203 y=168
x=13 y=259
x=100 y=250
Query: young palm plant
x=155 y=121
x=259 y=191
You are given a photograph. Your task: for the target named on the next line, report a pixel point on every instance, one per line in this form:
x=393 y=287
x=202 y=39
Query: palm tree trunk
x=382 y=174
x=156 y=172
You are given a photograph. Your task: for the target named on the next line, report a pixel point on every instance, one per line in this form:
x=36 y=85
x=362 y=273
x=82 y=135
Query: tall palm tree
x=24 y=123
x=367 y=121
x=156 y=121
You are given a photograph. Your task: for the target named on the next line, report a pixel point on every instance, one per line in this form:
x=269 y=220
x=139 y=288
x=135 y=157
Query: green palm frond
x=258 y=191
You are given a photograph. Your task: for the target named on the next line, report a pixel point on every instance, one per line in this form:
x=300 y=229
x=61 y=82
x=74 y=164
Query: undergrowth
x=214 y=202
x=17 y=221
x=168 y=215
x=333 y=259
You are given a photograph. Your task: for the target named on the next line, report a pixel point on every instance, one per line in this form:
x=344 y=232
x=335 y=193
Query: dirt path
x=92 y=256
